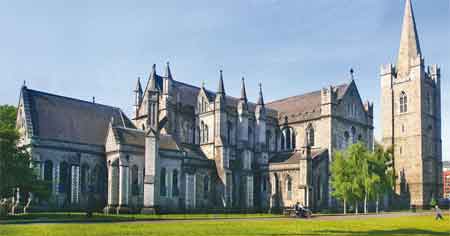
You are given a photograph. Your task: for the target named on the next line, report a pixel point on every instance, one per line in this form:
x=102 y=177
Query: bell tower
x=411 y=119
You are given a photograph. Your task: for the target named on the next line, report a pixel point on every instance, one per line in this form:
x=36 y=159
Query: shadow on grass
x=399 y=232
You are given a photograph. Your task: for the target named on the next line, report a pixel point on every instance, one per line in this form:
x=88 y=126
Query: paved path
x=165 y=221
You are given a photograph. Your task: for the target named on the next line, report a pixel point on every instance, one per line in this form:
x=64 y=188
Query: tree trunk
x=356 y=208
x=378 y=202
x=345 y=207
x=365 y=203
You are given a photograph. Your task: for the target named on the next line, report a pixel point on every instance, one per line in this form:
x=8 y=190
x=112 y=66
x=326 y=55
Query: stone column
x=113 y=187
x=123 y=186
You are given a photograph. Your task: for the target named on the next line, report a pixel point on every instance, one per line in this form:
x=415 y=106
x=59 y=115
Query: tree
x=7 y=117
x=15 y=161
x=361 y=175
x=341 y=178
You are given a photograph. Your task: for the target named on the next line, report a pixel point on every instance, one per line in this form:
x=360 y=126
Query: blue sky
x=98 y=48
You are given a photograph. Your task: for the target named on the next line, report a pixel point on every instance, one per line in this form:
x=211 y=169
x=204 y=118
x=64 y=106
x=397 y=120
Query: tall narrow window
x=175 y=183
x=84 y=178
x=346 y=139
x=310 y=136
x=283 y=138
x=403 y=102
x=162 y=183
x=48 y=170
x=206 y=187
x=289 y=188
x=268 y=139
x=206 y=134
x=287 y=134
x=429 y=103
x=353 y=133
x=293 y=139
x=229 y=132
x=202 y=131
x=134 y=180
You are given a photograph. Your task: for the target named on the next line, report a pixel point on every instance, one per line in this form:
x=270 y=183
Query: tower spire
x=152 y=79
x=409 y=41
x=260 y=96
x=221 y=89
x=168 y=73
x=243 y=92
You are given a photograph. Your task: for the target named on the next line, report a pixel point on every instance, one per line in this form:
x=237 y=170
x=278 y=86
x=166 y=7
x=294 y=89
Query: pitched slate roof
x=294 y=157
x=68 y=119
x=303 y=107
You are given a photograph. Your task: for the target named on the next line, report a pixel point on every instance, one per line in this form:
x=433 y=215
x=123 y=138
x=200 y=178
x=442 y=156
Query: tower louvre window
x=403 y=102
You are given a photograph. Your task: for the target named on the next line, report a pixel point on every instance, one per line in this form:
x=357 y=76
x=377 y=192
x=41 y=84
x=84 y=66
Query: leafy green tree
x=7 y=117
x=15 y=161
x=361 y=175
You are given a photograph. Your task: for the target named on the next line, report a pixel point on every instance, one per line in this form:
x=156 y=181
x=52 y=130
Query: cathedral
x=191 y=149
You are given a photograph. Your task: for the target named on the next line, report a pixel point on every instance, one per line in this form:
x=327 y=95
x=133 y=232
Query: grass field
x=401 y=226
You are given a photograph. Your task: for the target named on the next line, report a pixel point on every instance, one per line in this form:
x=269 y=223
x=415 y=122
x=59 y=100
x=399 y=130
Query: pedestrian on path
x=438 y=213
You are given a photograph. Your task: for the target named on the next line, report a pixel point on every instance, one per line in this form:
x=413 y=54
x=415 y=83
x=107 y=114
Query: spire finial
x=352 y=74
x=409 y=41
x=260 y=97
x=221 y=88
x=152 y=79
x=243 y=92
x=24 y=84
x=168 y=73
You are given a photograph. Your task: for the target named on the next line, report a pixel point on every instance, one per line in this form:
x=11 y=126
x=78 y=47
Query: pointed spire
x=260 y=96
x=409 y=42
x=168 y=73
x=138 y=86
x=352 y=74
x=243 y=92
x=221 y=89
x=152 y=79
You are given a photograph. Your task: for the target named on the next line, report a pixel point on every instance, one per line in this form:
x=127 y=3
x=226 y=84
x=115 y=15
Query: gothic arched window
x=250 y=136
x=346 y=139
x=64 y=178
x=293 y=139
x=289 y=188
x=310 y=136
x=403 y=102
x=229 y=132
x=202 y=131
x=134 y=180
x=353 y=133
x=206 y=133
x=98 y=179
x=268 y=139
x=48 y=170
x=287 y=135
x=162 y=183
x=84 y=178
x=429 y=103
x=205 y=187
x=175 y=183
x=283 y=137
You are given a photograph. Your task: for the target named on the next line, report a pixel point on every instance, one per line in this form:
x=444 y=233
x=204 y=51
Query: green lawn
x=81 y=217
x=402 y=226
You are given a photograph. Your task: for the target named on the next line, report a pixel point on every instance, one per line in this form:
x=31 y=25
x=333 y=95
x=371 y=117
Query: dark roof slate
x=294 y=157
x=68 y=119
x=303 y=107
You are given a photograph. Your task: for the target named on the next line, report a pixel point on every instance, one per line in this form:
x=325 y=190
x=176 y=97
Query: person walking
x=438 y=213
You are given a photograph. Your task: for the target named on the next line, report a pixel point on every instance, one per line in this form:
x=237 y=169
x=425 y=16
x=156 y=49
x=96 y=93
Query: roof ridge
x=303 y=94
x=71 y=98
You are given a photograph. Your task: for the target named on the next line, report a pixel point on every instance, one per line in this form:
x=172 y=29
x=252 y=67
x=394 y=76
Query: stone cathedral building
x=188 y=148
x=411 y=117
